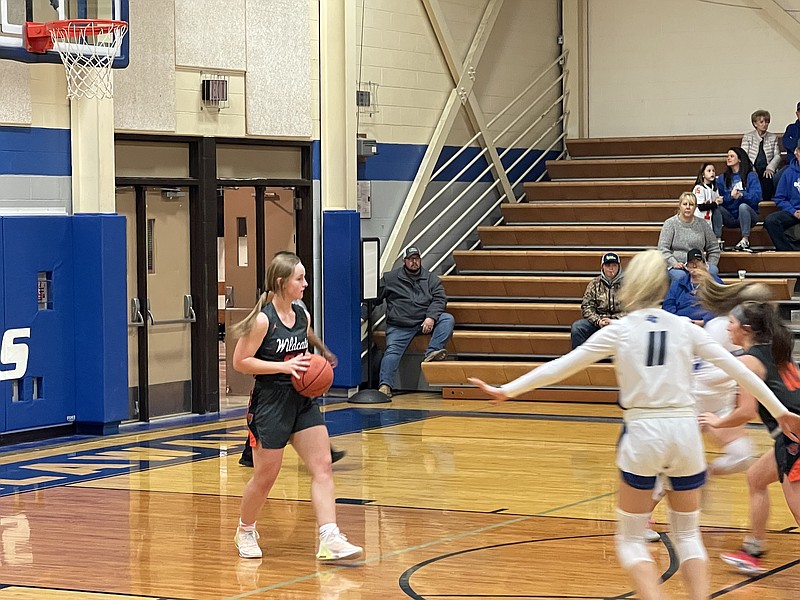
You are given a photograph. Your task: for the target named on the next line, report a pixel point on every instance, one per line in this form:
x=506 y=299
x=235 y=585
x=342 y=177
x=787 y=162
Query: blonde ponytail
x=243 y=327
x=721 y=299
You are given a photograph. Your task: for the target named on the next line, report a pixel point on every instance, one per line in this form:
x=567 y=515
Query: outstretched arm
x=600 y=345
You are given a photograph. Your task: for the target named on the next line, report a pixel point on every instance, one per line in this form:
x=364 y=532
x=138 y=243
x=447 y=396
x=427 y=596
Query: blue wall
x=34 y=151
x=75 y=352
x=400 y=162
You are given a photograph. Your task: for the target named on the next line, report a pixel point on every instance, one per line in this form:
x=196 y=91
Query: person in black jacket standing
x=415 y=303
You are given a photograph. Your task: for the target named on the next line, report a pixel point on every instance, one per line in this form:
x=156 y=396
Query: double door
x=254 y=223
x=161 y=308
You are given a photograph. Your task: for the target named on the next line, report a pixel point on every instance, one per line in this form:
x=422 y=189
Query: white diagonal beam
x=780 y=19
x=474 y=112
x=463 y=88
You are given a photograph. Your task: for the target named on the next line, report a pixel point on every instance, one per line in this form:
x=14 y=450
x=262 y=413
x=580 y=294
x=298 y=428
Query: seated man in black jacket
x=415 y=303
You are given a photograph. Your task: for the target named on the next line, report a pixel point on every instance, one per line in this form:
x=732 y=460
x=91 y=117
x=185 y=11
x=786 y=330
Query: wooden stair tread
x=652 y=145
x=597 y=235
x=547 y=286
x=456 y=372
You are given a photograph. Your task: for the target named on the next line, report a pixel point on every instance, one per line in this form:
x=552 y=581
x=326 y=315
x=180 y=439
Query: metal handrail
x=455 y=156
x=466 y=212
x=560 y=60
x=539 y=159
x=534 y=103
x=528 y=129
x=430 y=202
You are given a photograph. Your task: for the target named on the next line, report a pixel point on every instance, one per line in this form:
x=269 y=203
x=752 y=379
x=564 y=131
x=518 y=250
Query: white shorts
x=671 y=446
x=720 y=403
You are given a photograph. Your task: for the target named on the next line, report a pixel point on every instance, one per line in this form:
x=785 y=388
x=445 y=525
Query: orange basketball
x=316 y=380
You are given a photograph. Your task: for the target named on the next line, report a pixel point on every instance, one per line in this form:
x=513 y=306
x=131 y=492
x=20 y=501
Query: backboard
x=14 y=13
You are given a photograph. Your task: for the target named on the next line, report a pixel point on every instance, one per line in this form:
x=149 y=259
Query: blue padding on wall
x=33 y=245
x=341 y=292
x=101 y=326
x=34 y=151
x=5 y=386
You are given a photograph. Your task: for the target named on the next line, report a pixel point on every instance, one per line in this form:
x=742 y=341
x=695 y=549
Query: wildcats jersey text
x=282 y=341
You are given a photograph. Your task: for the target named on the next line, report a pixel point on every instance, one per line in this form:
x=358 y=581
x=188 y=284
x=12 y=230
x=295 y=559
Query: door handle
x=136 y=318
x=150 y=316
x=188 y=313
x=188 y=310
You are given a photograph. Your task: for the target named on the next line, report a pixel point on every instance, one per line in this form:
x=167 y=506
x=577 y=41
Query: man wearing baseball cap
x=682 y=299
x=415 y=303
x=599 y=306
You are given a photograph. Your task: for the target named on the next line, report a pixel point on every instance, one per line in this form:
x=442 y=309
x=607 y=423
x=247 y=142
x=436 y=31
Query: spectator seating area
x=515 y=297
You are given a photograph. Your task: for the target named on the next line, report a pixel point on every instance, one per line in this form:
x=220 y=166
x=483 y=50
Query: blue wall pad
x=63 y=283
x=101 y=325
x=34 y=245
x=5 y=386
x=341 y=285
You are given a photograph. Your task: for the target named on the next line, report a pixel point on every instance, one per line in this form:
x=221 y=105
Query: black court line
x=4 y=586
x=754 y=579
x=405 y=579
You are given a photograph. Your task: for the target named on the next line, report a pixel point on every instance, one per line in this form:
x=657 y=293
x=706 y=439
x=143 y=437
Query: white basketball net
x=87 y=49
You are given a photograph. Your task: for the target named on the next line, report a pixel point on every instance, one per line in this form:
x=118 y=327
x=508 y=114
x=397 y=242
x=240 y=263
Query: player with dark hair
x=767 y=344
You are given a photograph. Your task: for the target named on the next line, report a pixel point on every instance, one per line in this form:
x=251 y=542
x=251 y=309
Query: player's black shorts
x=276 y=412
x=786 y=454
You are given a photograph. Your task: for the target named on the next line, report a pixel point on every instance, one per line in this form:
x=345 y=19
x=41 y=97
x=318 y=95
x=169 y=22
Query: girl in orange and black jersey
x=767 y=344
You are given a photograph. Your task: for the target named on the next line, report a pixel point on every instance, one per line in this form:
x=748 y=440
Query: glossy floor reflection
x=451 y=499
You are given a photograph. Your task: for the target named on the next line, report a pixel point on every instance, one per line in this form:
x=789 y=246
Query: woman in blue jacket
x=741 y=193
x=788 y=200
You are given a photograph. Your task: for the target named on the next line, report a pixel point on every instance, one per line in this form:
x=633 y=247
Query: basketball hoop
x=87 y=48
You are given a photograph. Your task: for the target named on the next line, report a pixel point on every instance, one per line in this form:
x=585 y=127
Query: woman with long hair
x=272 y=346
x=653 y=354
x=741 y=193
x=767 y=344
x=684 y=231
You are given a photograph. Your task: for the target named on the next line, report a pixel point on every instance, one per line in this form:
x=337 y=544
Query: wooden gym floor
x=451 y=500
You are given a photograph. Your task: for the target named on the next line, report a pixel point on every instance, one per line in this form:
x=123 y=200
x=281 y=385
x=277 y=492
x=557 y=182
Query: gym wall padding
x=101 y=326
x=77 y=347
x=32 y=245
x=341 y=288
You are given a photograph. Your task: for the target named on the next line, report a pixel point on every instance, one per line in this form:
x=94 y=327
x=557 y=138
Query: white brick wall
x=400 y=53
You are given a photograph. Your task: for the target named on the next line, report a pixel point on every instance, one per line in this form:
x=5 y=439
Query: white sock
x=753 y=546
x=327 y=529
x=245 y=527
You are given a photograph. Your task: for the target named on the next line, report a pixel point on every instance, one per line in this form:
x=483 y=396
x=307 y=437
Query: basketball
x=316 y=380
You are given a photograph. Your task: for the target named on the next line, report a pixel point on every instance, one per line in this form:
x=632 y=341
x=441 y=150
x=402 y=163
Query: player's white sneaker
x=246 y=541
x=335 y=546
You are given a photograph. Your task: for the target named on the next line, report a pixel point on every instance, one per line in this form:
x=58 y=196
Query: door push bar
x=137 y=320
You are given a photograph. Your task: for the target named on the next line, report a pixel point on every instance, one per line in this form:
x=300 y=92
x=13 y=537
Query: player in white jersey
x=653 y=354
x=715 y=392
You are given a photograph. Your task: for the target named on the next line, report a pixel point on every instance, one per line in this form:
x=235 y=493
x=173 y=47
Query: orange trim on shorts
x=251 y=439
x=794 y=473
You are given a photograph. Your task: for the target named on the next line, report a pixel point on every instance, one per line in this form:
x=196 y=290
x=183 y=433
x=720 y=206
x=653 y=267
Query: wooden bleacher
x=515 y=297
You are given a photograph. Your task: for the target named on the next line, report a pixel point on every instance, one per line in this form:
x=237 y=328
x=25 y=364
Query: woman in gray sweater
x=683 y=232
